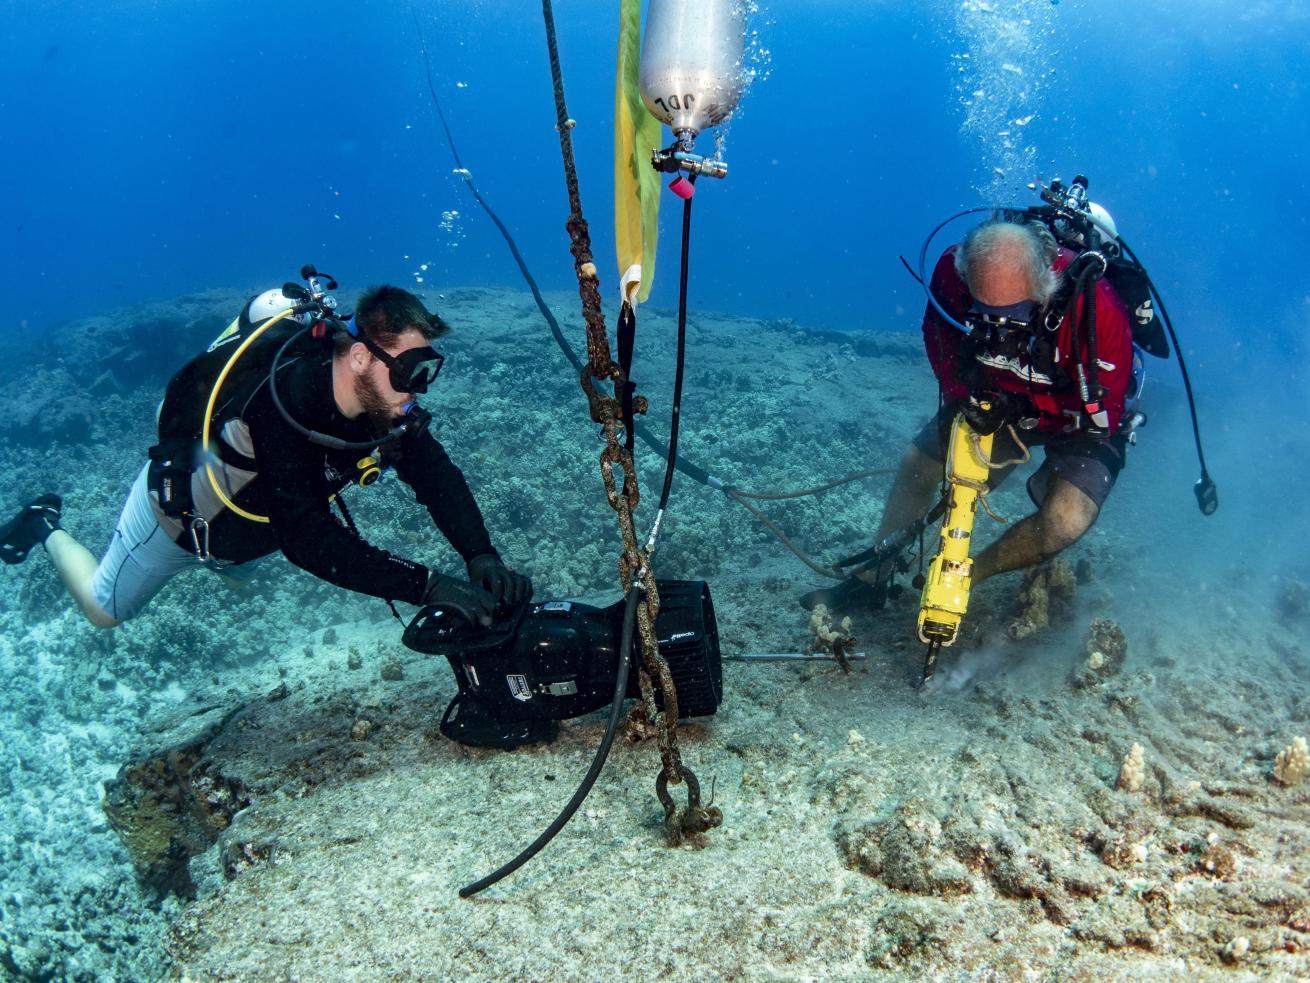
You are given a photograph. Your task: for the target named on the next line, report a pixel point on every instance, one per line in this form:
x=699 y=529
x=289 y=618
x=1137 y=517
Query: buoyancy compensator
x=555 y=660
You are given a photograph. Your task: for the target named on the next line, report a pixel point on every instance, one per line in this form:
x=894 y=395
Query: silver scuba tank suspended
x=691 y=63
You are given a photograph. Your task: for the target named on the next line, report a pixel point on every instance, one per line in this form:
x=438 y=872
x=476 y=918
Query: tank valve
x=674 y=161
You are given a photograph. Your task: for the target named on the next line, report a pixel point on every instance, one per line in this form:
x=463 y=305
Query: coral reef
x=1132 y=772
x=1292 y=763
x=46 y=407
x=836 y=640
x=1293 y=599
x=167 y=807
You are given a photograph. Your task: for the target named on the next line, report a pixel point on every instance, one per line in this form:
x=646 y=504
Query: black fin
x=30 y=527
x=851 y=594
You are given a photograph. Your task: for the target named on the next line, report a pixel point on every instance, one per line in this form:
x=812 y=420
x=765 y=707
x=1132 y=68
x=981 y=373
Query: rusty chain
x=635 y=569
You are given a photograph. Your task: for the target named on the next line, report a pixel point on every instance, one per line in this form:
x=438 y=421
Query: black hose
x=416 y=418
x=634 y=591
x=676 y=418
x=1089 y=334
x=1085 y=288
x=895 y=542
x=629 y=613
x=597 y=761
x=1178 y=349
x=693 y=471
x=642 y=430
x=491 y=214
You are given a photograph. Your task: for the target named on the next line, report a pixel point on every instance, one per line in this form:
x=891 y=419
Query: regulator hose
x=597 y=761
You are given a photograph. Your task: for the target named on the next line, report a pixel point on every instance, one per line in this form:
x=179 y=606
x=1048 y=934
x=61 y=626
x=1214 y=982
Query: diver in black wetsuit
x=268 y=484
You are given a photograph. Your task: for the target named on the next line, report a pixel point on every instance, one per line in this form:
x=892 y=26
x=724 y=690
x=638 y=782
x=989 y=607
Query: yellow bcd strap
x=209 y=414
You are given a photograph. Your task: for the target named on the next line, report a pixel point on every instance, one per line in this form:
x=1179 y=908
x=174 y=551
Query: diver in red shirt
x=1022 y=360
x=1028 y=371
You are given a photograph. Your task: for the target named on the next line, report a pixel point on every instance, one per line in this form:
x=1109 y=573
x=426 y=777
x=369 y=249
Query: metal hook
x=199 y=530
x=681 y=824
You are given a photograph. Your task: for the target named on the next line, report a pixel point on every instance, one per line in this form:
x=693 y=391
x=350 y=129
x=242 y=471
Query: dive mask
x=1016 y=317
x=413 y=370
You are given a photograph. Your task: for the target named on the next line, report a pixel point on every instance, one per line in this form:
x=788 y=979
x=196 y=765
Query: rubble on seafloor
x=1105 y=648
x=1045 y=596
x=1124 y=817
x=1131 y=855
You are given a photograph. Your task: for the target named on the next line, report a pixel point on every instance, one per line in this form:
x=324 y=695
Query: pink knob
x=683 y=188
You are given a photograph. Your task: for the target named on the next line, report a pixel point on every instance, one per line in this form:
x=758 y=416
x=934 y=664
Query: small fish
x=1012 y=68
x=1023 y=120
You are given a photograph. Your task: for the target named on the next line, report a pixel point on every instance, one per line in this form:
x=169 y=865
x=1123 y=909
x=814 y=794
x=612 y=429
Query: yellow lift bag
x=636 y=183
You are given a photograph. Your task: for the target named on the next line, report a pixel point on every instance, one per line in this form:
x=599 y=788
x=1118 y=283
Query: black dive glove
x=508 y=588
x=988 y=412
x=475 y=604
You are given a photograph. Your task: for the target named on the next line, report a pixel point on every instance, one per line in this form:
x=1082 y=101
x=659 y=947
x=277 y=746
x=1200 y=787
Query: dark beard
x=375 y=407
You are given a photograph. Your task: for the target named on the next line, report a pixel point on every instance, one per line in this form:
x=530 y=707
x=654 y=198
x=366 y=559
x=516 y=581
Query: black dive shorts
x=1090 y=464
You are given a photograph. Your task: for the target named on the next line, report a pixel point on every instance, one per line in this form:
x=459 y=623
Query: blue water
x=154 y=149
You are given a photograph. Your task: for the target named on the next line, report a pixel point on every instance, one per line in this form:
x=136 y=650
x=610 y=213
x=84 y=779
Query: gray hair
x=1000 y=240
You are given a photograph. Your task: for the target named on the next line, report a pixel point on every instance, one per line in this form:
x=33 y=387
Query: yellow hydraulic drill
x=950 y=574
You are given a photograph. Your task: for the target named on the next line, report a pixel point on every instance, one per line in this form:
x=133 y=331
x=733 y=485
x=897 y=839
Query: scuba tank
x=691 y=63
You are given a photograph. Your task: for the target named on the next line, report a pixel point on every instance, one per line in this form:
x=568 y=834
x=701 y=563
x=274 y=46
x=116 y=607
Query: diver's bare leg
x=76 y=566
x=1062 y=520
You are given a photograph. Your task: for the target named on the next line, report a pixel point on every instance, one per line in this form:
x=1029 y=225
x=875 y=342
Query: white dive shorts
x=141 y=558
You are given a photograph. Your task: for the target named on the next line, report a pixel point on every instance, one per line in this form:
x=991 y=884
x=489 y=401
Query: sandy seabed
x=973 y=831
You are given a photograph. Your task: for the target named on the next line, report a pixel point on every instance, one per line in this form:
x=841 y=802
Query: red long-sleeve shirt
x=1051 y=388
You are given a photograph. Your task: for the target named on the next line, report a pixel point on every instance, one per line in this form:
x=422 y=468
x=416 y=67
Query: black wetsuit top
x=296 y=478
